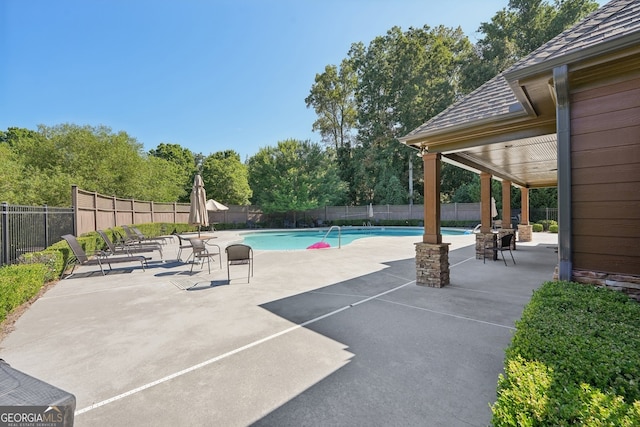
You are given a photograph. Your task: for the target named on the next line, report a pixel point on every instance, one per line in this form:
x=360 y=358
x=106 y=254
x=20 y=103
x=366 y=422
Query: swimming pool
x=302 y=239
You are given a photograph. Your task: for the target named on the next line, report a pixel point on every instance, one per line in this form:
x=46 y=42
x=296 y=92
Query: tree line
x=379 y=92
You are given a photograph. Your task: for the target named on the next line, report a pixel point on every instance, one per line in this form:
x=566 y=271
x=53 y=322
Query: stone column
x=525 y=230
x=485 y=202
x=525 y=233
x=506 y=204
x=432 y=264
x=432 y=256
x=483 y=241
x=432 y=167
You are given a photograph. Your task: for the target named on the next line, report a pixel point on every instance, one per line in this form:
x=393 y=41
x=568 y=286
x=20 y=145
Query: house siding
x=605 y=156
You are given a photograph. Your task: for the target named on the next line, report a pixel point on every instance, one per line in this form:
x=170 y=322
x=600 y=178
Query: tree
x=41 y=166
x=543 y=198
x=294 y=176
x=10 y=171
x=184 y=159
x=468 y=192
x=161 y=180
x=453 y=179
x=100 y=160
x=518 y=30
x=332 y=98
x=226 y=178
x=391 y=191
x=404 y=78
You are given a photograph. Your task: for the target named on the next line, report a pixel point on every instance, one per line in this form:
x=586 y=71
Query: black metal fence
x=541 y=214
x=31 y=228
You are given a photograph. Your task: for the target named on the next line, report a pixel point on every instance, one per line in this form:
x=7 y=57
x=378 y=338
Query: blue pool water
x=301 y=239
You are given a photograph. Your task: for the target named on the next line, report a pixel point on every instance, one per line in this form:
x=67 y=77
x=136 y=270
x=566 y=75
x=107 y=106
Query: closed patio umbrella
x=494 y=210
x=198 y=210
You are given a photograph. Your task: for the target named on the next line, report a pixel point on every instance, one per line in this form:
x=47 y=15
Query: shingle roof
x=495 y=98
x=614 y=19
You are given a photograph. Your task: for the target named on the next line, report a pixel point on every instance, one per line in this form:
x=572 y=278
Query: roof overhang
x=518 y=142
x=520 y=148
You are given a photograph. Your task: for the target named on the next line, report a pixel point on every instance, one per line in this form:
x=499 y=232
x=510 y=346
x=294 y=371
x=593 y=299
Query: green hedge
x=537 y=228
x=156 y=229
x=573 y=360
x=18 y=284
x=546 y=223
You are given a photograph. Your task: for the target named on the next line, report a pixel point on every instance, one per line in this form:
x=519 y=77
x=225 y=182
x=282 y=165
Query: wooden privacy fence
x=448 y=212
x=95 y=211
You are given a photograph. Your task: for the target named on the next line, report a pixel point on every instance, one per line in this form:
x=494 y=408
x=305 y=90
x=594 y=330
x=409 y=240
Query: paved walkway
x=317 y=338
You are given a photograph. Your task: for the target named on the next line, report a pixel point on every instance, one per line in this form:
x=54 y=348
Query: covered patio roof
x=508 y=127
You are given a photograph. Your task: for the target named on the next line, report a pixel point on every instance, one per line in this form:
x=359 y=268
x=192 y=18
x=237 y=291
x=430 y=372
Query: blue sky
x=208 y=75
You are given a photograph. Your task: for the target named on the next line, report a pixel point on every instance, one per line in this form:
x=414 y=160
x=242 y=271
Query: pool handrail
x=339 y=234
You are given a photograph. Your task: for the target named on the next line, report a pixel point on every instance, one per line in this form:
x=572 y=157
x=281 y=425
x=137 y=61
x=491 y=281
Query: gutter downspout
x=563 y=124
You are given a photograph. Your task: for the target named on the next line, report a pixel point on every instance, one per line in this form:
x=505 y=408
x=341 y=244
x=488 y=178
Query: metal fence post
x=5 y=233
x=74 y=206
x=46 y=226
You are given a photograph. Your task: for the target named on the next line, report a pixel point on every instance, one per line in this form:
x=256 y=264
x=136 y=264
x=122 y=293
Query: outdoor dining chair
x=500 y=246
x=183 y=244
x=80 y=257
x=238 y=254
x=201 y=252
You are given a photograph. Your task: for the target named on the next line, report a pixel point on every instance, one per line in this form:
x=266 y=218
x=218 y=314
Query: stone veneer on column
x=484 y=240
x=432 y=264
x=525 y=233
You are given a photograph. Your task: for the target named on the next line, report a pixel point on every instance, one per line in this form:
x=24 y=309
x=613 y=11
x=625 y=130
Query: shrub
x=18 y=284
x=573 y=360
x=546 y=223
x=161 y=228
x=537 y=228
x=522 y=393
x=553 y=228
x=51 y=260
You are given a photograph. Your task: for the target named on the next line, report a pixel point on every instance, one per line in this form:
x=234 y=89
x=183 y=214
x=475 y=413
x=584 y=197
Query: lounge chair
x=113 y=249
x=131 y=239
x=238 y=254
x=159 y=239
x=81 y=258
x=200 y=252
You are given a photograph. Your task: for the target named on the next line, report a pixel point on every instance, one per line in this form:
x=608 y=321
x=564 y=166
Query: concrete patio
x=318 y=337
